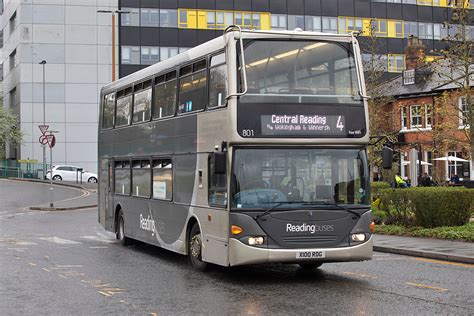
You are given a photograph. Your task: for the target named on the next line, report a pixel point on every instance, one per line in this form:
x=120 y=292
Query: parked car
x=69 y=173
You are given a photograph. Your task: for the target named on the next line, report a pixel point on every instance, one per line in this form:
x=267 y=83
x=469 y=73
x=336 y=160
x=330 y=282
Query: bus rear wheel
x=195 y=248
x=121 y=231
x=310 y=266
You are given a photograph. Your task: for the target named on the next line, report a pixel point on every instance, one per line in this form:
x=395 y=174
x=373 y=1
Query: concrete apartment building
x=75 y=41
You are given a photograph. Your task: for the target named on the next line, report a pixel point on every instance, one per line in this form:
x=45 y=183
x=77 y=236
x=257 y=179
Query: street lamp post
x=43 y=62
x=113 y=12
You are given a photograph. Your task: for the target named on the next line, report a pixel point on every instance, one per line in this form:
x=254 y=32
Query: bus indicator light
x=236 y=229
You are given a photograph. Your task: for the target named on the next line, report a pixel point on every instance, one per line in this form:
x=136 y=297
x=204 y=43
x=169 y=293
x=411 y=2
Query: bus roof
x=211 y=46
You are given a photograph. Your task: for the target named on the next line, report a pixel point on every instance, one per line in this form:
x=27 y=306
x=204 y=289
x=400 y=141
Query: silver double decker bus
x=250 y=148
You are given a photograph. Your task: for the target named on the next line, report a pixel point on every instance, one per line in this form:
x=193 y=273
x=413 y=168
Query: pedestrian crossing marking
x=60 y=240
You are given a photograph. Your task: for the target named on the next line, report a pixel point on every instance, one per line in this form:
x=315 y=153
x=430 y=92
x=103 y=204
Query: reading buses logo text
x=147 y=224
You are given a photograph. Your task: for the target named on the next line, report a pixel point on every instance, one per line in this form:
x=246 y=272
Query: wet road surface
x=57 y=263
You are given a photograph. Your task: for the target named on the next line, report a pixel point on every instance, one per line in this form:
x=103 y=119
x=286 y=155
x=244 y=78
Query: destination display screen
x=266 y=120
x=303 y=124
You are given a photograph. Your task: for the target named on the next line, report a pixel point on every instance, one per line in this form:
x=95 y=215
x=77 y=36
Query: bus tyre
x=310 y=266
x=195 y=248
x=121 y=231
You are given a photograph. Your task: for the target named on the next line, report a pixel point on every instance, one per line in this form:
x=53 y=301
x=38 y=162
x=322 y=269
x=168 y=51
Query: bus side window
x=122 y=177
x=192 y=87
x=217 y=81
x=217 y=184
x=141 y=178
x=108 y=109
x=164 y=102
x=124 y=107
x=142 y=102
x=162 y=179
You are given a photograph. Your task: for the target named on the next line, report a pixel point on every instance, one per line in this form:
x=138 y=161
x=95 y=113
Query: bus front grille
x=295 y=240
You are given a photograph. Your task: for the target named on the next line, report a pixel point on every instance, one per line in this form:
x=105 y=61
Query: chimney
x=414 y=53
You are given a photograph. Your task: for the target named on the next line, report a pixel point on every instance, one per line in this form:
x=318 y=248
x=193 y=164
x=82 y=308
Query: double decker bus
x=250 y=148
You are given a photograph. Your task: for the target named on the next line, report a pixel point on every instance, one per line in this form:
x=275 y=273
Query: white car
x=69 y=173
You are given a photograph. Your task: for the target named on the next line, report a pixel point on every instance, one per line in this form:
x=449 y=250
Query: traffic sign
x=51 y=140
x=43 y=128
x=43 y=140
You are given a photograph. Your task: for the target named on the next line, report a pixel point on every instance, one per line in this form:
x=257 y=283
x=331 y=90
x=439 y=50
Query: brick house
x=428 y=116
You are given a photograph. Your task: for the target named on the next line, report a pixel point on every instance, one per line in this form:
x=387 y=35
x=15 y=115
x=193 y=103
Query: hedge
x=428 y=206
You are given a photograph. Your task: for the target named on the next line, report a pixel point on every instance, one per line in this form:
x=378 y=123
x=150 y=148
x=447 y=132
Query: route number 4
x=339 y=123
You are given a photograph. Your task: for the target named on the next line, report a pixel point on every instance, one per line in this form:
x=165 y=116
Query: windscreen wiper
x=333 y=204
x=278 y=204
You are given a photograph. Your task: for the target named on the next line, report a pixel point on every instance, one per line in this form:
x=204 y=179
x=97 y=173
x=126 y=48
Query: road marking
x=111 y=291
x=361 y=275
x=466 y=265
x=16 y=242
x=99 y=247
x=429 y=287
x=47 y=270
x=101 y=239
x=18 y=249
x=62 y=276
x=32 y=264
x=60 y=240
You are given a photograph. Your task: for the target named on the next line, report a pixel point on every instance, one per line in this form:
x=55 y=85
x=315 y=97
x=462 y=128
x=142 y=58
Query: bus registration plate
x=313 y=254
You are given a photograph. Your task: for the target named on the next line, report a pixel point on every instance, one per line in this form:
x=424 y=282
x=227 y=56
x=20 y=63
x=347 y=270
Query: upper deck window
x=164 y=103
x=124 y=106
x=301 y=72
x=217 y=81
x=108 y=111
x=192 y=87
x=142 y=102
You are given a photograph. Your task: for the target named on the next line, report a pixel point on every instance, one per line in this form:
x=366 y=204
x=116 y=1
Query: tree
x=10 y=133
x=374 y=70
x=456 y=71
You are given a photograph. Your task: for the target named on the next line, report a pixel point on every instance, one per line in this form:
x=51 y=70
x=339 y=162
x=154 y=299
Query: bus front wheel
x=121 y=230
x=195 y=248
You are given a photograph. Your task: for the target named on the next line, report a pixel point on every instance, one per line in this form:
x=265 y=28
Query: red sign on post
x=51 y=139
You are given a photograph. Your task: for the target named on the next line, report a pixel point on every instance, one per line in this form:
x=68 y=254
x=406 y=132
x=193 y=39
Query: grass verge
x=460 y=233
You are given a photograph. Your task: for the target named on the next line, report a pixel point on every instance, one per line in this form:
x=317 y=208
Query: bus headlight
x=255 y=240
x=358 y=237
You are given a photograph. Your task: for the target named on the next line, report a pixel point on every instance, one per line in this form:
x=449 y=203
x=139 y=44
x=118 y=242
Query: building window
x=404 y=118
x=437 y=31
x=149 y=55
x=256 y=24
x=132 y=18
x=122 y=177
x=416 y=116
x=425 y=30
x=463 y=112
x=409 y=77
x=211 y=19
x=162 y=179
x=167 y=52
x=410 y=28
x=396 y=63
x=108 y=111
x=142 y=102
x=295 y=21
x=164 y=103
x=313 y=23
x=409 y=1
x=428 y=116
x=278 y=22
x=141 y=173
x=429 y=160
x=149 y=17
x=13 y=59
x=131 y=55
x=169 y=18
x=329 y=24
x=13 y=23
x=459 y=168
x=379 y=27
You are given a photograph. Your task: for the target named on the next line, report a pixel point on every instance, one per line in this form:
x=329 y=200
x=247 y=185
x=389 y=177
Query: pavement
x=456 y=251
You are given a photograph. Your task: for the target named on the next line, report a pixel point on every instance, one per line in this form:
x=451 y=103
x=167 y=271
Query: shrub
x=377 y=186
x=435 y=207
x=427 y=206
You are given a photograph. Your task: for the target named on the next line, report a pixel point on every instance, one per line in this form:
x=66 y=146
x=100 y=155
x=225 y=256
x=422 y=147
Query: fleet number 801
x=247 y=133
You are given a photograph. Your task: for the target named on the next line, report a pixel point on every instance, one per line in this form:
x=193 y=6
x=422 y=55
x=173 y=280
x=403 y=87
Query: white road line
x=99 y=238
x=60 y=240
x=99 y=247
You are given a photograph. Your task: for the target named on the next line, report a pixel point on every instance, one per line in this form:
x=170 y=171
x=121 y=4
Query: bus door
x=109 y=199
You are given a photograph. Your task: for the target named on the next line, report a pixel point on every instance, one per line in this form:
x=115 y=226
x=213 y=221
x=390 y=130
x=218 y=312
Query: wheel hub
x=196 y=246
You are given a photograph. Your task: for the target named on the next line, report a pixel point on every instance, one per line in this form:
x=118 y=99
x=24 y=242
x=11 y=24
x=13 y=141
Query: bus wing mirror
x=387 y=157
x=220 y=163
